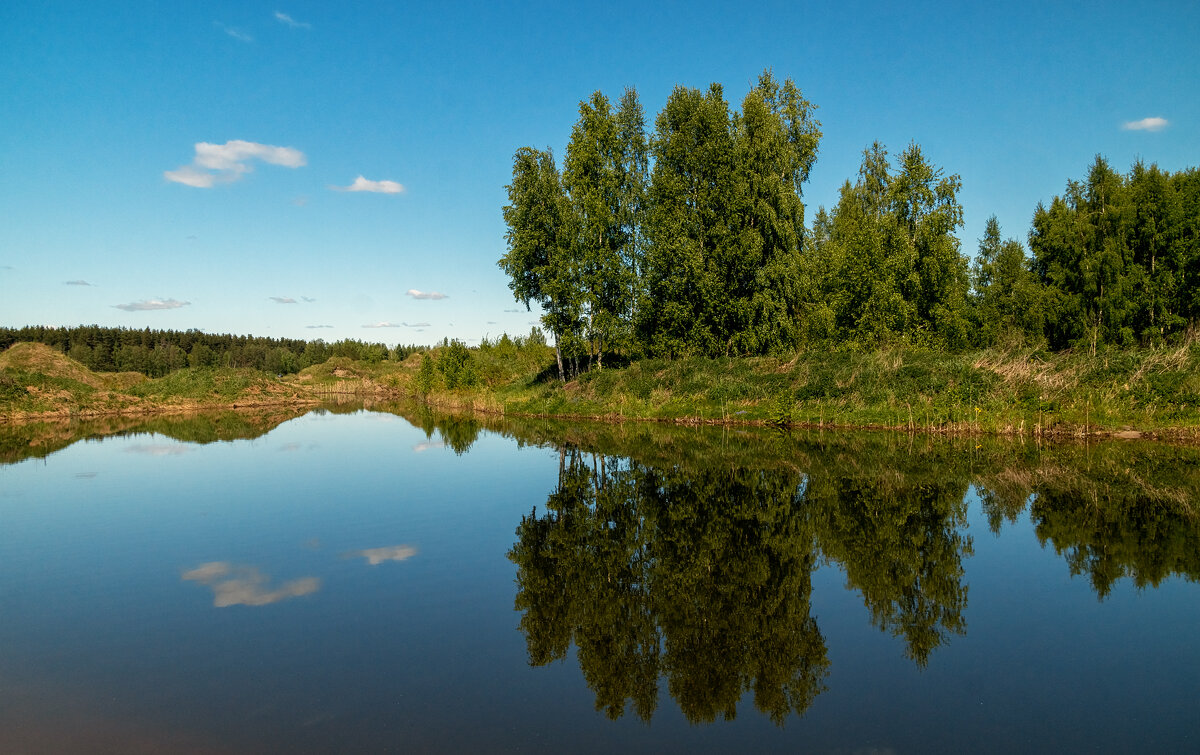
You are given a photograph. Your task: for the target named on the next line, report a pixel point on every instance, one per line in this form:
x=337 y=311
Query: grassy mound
x=37 y=381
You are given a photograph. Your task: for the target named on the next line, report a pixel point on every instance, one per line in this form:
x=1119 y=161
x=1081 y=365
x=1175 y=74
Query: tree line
x=158 y=352
x=692 y=240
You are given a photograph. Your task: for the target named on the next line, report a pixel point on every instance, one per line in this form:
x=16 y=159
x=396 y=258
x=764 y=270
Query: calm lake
x=392 y=580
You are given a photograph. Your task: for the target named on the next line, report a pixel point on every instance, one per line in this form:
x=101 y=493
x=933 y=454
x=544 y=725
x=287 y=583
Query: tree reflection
x=703 y=579
x=701 y=575
x=902 y=546
x=1118 y=531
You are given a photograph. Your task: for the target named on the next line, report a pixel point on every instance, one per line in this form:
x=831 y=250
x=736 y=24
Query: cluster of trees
x=1119 y=256
x=158 y=352
x=692 y=241
x=699 y=255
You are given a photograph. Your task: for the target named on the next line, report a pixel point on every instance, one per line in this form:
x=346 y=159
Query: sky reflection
x=234 y=584
x=376 y=556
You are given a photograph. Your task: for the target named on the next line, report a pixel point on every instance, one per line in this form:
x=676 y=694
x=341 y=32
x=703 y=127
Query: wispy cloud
x=317 y=327
x=147 y=305
x=365 y=184
x=225 y=163
x=237 y=34
x=1146 y=124
x=376 y=556
x=287 y=20
x=515 y=311
x=76 y=283
x=282 y=299
x=415 y=324
x=308 y=299
x=234 y=585
x=414 y=293
x=383 y=324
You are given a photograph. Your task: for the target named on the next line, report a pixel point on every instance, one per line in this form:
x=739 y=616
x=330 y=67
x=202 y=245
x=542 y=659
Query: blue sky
x=187 y=165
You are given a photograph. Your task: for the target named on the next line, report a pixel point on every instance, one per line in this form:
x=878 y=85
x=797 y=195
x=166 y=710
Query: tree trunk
x=562 y=375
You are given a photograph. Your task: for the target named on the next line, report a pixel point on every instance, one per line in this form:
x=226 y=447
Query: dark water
x=394 y=581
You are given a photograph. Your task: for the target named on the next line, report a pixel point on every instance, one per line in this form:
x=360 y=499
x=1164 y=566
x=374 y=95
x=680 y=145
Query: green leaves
x=893 y=269
x=1117 y=252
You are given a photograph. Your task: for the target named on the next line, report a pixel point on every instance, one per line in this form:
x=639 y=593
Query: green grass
x=1020 y=391
x=1013 y=391
x=204 y=384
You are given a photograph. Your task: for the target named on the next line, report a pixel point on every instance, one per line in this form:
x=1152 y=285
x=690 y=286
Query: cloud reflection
x=429 y=445
x=376 y=556
x=234 y=584
x=158 y=449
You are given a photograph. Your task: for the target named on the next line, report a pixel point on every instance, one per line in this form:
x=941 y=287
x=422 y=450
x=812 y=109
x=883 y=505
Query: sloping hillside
x=38 y=381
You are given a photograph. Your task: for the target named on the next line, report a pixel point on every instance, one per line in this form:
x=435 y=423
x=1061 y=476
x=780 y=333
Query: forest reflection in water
x=681 y=562
x=701 y=573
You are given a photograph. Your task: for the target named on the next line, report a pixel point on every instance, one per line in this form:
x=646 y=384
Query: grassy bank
x=1017 y=391
x=1020 y=391
x=37 y=381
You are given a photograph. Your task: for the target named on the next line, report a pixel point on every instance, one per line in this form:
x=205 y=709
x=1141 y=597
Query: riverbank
x=1016 y=391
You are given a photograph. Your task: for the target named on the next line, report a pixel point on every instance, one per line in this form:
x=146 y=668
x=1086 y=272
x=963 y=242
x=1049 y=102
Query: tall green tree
x=897 y=270
x=1118 y=255
x=691 y=189
x=540 y=260
x=603 y=176
x=726 y=221
x=1006 y=295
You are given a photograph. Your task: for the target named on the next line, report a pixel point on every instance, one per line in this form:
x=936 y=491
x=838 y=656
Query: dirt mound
x=37 y=357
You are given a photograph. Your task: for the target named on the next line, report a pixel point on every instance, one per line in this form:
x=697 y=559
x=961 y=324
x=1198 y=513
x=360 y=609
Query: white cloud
x=77 y=283
x=1146 y=124
x=237 y=34
x=383 y=324
x=364 y=184
x=414 y=293
x=415 y=324
x=245 y=585
x=429 y=445
x=284 y=18
x=376 y=556
x=226 y=163
x=308 y=299
x=317 y=327
x=282 y=299
x=147 y=305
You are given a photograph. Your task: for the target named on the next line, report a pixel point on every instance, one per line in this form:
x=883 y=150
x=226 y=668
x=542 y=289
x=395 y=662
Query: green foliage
x=156 y=353
x=202 y=383
x=540 y=261
x=426 y=376
x=11 y=386
x=886 y=262
x=1119 y=256
x=726 y=221
x=455 y=364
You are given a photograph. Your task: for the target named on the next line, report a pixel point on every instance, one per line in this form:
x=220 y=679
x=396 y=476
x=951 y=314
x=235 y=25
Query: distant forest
x=692 y=240
x=157 y=352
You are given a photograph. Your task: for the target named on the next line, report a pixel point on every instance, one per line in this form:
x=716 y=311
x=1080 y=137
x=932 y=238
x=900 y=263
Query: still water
x=391 y=580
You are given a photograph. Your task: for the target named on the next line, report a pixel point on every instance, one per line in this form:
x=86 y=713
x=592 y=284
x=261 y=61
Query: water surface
x=394 y=580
